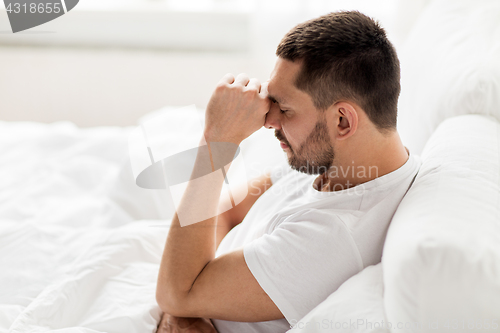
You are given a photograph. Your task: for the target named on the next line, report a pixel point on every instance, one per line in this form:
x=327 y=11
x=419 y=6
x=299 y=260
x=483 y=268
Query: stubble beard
x=315 y=156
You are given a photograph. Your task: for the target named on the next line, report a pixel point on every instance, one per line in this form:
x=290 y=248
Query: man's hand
x=237 y=108
x=172 y=324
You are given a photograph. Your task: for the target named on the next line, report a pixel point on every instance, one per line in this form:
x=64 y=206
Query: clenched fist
x=237 y=108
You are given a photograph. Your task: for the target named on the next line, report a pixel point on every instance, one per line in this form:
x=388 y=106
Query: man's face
x=303 y=130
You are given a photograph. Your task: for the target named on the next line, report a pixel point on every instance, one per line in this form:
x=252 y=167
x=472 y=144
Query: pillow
x=449 y=66
x=441 y=258
x=357 y=306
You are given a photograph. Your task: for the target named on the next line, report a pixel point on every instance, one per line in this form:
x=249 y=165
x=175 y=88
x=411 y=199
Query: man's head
x=339 y=63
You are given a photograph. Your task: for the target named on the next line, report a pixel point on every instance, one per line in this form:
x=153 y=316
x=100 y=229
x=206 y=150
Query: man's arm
x=191 y=281
x=225 y=222
x=231 y=218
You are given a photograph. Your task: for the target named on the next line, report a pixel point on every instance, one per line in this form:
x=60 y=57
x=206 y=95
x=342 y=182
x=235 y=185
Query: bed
x=80 y=243
x=72 y=259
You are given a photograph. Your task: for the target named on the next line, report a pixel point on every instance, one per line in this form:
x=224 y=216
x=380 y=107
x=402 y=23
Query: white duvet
x=80 y=243
x=73 y=257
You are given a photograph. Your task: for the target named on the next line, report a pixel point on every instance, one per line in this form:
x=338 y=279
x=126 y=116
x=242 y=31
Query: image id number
x=33 y=8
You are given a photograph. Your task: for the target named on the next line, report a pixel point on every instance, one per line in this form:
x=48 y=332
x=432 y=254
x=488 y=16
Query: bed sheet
x=73 y=258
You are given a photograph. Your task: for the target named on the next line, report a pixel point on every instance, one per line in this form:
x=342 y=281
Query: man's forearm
x=189 y=280
x=190 y=248
x=224 y=224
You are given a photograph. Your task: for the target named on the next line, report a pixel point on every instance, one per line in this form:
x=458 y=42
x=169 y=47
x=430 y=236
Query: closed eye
x=276 y=102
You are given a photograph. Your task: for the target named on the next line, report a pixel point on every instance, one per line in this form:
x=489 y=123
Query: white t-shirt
x=302 y=244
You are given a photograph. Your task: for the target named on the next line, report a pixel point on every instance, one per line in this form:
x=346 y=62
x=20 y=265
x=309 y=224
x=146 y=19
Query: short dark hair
x=346 y=55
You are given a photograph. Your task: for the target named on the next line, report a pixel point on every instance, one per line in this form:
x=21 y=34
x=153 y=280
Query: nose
x=273 y=117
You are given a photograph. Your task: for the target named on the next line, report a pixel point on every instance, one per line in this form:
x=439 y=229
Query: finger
x=254 y=84
x=263 y=89
x=242 y=79
x=227 y=79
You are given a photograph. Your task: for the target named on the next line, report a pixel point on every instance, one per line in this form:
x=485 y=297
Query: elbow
x=166 y=304
x=172 y=303
x=160 y=301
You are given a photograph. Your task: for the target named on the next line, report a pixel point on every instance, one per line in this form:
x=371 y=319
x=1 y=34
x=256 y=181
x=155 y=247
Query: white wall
x=105 y=68
x=109 y=86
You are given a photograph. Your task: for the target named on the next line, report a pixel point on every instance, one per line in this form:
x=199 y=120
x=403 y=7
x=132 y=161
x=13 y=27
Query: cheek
x=287 y=131
x=292 y=132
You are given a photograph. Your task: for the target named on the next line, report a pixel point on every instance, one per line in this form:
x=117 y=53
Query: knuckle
x=221 y=86
x=226 y=78
x=250 y=92
x=234 y=89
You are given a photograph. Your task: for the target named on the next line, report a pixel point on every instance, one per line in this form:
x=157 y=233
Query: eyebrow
x=276 y=99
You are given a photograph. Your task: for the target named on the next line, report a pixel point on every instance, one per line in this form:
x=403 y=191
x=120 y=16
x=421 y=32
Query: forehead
x=282 y=82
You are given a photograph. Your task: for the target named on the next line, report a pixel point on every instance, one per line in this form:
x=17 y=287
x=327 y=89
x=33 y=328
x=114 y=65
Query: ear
x=346 y=120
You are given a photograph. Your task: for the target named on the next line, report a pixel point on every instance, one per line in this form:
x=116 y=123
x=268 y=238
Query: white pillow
x=357 y=306
x=441 y=257
x=450 y=65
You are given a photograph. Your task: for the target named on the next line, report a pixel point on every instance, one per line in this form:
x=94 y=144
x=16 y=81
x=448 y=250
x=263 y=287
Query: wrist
x=212 y=136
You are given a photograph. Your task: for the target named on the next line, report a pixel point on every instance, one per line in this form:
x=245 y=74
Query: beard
x=315 y=156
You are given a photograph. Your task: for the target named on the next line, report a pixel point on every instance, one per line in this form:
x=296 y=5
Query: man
x=332 y=102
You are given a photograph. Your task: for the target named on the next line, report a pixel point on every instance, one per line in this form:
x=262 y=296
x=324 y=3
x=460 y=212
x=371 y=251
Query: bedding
x=450 y=66
x=441 y=254
x=441 y=258
x=72 y=259
x=356 y=306
x=80 y=243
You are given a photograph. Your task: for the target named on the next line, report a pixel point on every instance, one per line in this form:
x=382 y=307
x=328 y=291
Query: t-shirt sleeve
x=303 y=260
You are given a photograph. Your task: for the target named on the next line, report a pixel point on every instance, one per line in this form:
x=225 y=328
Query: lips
x=280 y=137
